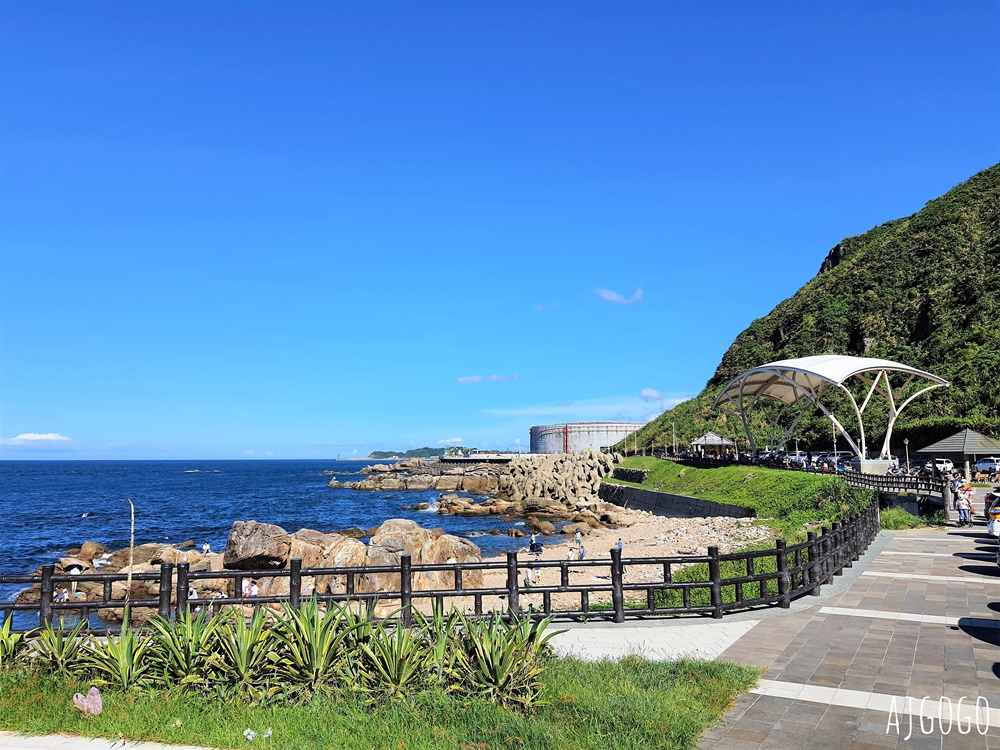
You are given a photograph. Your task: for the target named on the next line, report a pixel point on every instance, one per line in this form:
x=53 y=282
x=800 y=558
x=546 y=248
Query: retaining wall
x=666 y=504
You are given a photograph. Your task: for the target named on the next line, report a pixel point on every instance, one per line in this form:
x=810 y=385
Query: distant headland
x=425 y=452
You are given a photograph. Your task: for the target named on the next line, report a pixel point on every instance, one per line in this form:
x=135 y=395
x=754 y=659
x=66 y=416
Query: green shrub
x=11 y=642
x=184 y=652
x=123 y=661
x=58 y=650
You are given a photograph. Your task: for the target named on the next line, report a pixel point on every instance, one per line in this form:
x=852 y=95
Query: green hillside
x=924 y=290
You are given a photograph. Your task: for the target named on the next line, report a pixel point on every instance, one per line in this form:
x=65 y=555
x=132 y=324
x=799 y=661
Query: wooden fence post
x=45 y=603
x=406 y=589
x=513 y=605
x=783 y=582
x=814 y=579
x=715 y=577
x=837 y=547
x=166 y=584
x=295 y=583
x=182 y=588
x=617 y=594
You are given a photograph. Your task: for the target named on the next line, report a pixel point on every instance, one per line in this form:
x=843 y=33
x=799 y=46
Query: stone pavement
x=11 y=741
x=921 y=622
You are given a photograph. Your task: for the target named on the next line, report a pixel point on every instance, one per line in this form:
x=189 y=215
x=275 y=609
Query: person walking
x=963 y=510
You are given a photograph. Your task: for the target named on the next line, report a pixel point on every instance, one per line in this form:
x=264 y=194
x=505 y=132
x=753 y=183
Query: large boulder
x=397 y=537
x=175 y=556
x=92 y=550
x=253 y=546
x=141 y=554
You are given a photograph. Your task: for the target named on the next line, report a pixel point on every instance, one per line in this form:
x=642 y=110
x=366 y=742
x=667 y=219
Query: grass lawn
x=783 y=500
x=632 y=703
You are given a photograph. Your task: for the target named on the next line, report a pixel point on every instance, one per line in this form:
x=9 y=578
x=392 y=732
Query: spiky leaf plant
x=58 y=650
x=11 y=642
x=311 y=645
x=122 y=661
x=247 y=658
x=184 y=651
x=395 y=658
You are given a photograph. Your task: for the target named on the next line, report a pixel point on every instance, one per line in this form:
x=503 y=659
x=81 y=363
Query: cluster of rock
x=556 y=486
x=262 y=546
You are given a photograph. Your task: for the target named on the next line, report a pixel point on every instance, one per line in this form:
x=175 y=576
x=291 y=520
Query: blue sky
x=235 y=229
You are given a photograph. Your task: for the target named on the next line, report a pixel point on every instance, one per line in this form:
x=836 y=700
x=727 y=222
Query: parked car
x=943 y=464
x=993 y=516
x=798 y=458
x=989 y=465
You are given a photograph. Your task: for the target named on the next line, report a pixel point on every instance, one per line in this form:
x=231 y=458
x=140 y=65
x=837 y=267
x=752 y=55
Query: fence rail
x=880 y=482
x=710 y=585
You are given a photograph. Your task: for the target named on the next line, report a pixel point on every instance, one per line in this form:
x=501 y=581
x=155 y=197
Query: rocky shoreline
x=261 y=546
x=541 y=488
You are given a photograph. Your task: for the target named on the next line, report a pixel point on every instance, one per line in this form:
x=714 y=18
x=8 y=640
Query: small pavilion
x=711 y=440
x=962 y=446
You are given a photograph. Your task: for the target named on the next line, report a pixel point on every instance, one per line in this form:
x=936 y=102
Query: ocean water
x=48 y=507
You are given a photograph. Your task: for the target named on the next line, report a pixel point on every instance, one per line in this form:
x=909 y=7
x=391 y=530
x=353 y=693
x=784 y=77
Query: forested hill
x=924 y=290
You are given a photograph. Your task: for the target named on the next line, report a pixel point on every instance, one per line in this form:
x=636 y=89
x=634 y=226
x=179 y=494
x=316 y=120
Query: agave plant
x=184 y=651
x=123 y=661
x=441 y=634
x=312 y=644
x=246 y=656
x=395 y=659
x=58 y=650
x=504 y=662
x=360 y=629
x=11 y=642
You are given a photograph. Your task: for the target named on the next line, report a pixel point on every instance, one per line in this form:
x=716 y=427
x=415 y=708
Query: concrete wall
x=665 y=504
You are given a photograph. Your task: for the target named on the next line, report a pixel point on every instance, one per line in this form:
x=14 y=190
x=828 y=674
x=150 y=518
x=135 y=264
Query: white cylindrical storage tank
x=574 y=437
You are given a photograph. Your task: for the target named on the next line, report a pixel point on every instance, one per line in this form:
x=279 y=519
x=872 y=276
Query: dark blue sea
x=48 y=507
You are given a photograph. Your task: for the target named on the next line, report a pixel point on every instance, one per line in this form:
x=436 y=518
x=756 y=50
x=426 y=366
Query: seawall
x=667 y=504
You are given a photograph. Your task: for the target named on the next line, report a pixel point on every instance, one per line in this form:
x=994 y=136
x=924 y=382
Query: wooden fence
x=711 y=584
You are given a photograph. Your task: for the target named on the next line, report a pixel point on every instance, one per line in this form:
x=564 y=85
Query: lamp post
x=673 y=430
x=906 y=444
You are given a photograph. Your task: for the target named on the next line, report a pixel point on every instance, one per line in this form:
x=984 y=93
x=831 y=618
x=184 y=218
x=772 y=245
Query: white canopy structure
x=802 y=383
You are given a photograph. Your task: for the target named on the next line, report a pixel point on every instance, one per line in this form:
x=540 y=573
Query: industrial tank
x=574 y=437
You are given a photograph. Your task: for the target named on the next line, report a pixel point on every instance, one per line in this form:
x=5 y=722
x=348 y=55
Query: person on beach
x=570 y=553
x=578 y=538
x=582 y=552
x=254 y=589
x=206 y=548
x=245 y=592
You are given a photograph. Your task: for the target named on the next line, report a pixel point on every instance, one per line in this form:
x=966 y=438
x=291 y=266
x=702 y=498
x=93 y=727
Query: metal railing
x=882 y=482
x=709 y=585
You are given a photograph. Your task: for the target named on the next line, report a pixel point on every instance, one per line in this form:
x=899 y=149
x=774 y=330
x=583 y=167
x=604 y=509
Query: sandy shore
x=648 y=536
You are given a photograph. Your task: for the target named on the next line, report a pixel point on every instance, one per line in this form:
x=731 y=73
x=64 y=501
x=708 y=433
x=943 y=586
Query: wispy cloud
x=35 y=438
x=650 y=394
x=450 y=441
x=470 y=379
x=551 y=306
x=611 y=296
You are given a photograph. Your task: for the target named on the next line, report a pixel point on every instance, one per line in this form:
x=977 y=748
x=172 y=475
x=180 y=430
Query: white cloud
x=610 y=296
x=504 y=378
x=450 y=441
x=35 y=438
x=468 y=379
x=650 y=394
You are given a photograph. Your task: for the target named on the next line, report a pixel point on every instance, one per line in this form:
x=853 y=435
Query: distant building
x=574 y=437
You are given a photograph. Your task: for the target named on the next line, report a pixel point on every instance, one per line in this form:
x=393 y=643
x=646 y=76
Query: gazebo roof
x=710 y=438
x=967 y=442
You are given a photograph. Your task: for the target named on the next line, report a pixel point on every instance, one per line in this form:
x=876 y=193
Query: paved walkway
x=852 y=672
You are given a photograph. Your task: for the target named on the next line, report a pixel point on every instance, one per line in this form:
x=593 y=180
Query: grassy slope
x=784 y=500
x=628 y=704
